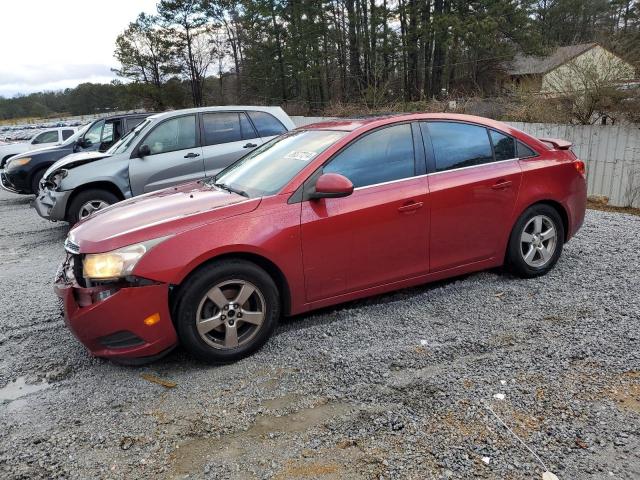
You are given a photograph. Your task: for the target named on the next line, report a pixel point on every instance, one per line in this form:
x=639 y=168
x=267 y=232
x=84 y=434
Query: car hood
x=157 y=214
x=75 y=160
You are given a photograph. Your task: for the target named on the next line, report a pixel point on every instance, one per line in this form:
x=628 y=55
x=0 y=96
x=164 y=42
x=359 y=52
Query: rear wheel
x=88 y=202
x=536 y=241
x=227 y=311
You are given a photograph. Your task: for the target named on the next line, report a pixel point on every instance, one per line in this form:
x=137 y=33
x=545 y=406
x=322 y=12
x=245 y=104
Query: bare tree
x=186 y=25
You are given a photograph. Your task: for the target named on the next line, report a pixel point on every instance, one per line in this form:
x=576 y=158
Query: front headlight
x=17 y=162
x=55 y=179
x=117 y=263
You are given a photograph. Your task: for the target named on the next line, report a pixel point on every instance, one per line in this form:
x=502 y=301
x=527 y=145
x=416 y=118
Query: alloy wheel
x=538 y=241
x=90 y=207
x=230 y=314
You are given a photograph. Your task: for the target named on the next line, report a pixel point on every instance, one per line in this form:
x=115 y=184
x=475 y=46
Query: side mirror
x=332 y=185
x=144 y=150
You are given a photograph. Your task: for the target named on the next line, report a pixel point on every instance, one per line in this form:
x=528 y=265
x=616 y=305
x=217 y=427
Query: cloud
x=32 y=78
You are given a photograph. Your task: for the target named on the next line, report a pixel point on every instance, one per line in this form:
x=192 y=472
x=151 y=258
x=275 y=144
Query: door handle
x=191 y=155
x=501 y=185
x=250 y=145
x=410 y=207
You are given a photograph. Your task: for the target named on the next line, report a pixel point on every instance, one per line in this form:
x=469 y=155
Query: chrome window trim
x=473 y=166
x=435 y=173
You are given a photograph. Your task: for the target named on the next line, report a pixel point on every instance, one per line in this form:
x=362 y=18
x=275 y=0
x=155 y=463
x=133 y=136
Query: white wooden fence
x=611 y=153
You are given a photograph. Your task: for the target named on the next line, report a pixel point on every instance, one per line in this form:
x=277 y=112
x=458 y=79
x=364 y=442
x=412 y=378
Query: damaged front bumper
x=6 y=184
x=111 y=321
x=51 y=204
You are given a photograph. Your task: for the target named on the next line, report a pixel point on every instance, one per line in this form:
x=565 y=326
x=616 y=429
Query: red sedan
x=318 y=216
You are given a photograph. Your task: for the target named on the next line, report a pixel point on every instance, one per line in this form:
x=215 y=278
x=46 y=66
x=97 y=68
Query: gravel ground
x=396 y=386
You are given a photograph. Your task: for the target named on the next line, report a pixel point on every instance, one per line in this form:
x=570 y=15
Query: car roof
x=352 y=124
x=223 y=108
x=125 y=115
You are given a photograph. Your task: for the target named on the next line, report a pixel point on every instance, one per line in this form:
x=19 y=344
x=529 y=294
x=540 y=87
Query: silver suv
x=166 y=149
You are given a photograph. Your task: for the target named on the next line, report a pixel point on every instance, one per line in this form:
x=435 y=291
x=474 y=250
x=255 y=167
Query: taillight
x=580 y=167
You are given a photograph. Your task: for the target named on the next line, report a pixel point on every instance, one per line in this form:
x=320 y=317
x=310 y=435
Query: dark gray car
x=164 y=150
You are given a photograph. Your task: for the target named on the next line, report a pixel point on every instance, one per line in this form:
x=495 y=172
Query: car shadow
x=180 y=360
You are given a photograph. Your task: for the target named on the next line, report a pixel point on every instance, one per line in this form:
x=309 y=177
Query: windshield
x=269 y=168
x=75 y=136
x=123 y=144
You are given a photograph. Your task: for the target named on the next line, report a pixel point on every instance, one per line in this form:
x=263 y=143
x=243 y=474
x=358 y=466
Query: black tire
x=515 y=258
x=192 y=294
x=35 y=181
x=73 y=211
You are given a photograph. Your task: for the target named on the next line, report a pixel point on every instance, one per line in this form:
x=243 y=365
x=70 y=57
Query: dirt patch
x=268 y=433
x=326 y=464
x=626 y=393
x=611 y=208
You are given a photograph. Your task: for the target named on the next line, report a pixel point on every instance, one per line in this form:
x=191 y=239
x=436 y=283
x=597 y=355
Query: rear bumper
x=114 y=327
x=577 y=206
x=52 y=205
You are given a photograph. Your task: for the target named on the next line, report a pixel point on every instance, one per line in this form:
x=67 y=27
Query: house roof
x=530 y=65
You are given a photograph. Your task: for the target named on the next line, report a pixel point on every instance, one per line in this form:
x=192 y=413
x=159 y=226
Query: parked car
x=318 y=216
x=23 y=172
x=167 y=148
x=46 y=138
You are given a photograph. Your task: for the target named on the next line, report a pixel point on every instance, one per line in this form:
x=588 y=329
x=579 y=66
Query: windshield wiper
x=231 y=189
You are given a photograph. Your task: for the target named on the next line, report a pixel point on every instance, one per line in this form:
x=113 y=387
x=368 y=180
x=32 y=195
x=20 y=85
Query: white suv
x=46 y=138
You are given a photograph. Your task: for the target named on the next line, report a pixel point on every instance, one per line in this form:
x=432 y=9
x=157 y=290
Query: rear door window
x=381 y=156
x=67 y=133
x=504 y=146
x=266 y=124
x=459 y=145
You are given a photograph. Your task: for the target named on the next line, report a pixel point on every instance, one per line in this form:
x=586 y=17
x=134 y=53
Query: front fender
x=272 y=233
x=114 y=172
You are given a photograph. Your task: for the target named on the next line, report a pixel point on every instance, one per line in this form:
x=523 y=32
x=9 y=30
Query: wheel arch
x=98 y=185
x=557 y=206
x=267 y=265
x=562 y=211
x=35 y=171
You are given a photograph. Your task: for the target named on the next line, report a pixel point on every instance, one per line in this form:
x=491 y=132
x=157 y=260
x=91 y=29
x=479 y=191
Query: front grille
x=77 y=269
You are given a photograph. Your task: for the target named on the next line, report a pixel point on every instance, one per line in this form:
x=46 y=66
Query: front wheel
x=35 y=181
x=536 y=241
x=227 y=311
x=88 y=202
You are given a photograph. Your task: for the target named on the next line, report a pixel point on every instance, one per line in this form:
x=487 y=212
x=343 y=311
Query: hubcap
x=90 y=207
x=230 y=314
x=538 y=241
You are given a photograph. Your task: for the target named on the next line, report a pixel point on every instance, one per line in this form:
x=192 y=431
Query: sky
x=56 y=44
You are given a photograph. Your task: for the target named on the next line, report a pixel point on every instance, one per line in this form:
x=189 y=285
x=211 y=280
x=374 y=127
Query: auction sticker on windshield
x=301 y=155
